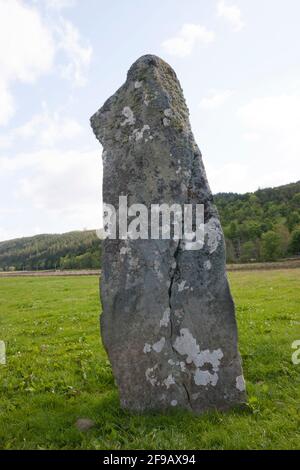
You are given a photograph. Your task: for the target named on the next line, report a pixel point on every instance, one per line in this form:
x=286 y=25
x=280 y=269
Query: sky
x=238 y=62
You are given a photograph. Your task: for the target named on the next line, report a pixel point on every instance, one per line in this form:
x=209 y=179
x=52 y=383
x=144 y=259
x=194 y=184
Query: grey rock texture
x=168 y=321
x=84 y=424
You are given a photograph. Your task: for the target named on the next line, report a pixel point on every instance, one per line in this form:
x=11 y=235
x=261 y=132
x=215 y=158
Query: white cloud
x=232 y=14
x=228 y=177
x=50 y=129
x=271 y=129
x=188 y=37
x=5 y=141
x=26 y=50
x=215 y=99
x=29 y=45
x=64 y=185
x=251 y=136
x=7 y=107
x=9 y=234
x=69 y=176
x=59 y=4
x=277 y=113
x=78 y=55
x=26 y=45
x=44 y=129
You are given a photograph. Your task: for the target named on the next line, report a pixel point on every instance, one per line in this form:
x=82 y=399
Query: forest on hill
x=73 y=250
x=259 y=226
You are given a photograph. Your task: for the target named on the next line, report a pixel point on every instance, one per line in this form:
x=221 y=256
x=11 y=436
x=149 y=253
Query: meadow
x=57 y=371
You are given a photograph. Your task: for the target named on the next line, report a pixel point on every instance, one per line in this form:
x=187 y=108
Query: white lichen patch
x=146 y=99
x=213 y=234
x=150 y=375
x=179 y=364
x=138 y=84
x=174 y=403
x=187 y=173
x=168 y=113
x=125 y=250
x=158 y=347
x=240 y=383
x=138 y=134
x=210 y=357
x=130 y=119
x=207 y=265
x=157 y=270
x=179 y=313
x=204 y=377
x=165 y=318
x=169 y=381
x=104 y=156
x=182 y=286
x=147 y=348
x=186 y=345
x=183 y=188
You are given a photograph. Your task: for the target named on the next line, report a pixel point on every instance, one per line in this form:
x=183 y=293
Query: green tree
x=284 y=236
x=294 y=247
x=270 y=246
x=248 y=251
x=230 y=252
x=293 y=219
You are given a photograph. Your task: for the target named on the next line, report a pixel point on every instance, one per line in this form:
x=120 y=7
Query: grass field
x=57 y=371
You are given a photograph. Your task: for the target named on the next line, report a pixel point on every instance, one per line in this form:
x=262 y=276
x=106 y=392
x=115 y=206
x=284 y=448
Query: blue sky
x=238 y=62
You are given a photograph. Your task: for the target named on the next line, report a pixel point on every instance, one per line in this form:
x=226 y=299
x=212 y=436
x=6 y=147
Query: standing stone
x=168 y=321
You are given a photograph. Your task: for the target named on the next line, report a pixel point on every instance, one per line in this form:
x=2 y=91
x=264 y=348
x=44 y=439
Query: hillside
x=259 y=226
x=73 y=250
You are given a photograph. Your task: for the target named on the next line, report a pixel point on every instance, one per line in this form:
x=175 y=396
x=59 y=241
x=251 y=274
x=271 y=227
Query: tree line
x=260 y=226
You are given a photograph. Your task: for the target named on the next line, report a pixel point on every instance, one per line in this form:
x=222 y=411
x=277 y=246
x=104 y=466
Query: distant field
x=64 y=273
x=57 y=371
x=284 y=264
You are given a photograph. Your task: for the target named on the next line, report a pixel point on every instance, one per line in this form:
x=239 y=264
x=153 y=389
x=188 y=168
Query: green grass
x=57 y=371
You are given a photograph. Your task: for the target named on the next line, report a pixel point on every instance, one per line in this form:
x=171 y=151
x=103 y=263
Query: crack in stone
x=174 y=273
x=187 y=394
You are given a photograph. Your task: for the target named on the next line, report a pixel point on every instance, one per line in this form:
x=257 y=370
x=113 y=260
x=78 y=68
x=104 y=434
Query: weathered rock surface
x=84 y=424
x=168 y=321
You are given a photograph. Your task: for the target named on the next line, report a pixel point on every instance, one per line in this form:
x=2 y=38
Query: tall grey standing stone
x=168 y=321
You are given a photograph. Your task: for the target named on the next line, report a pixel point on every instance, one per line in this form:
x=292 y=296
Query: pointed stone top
x=151 y=96
x=148 y=63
